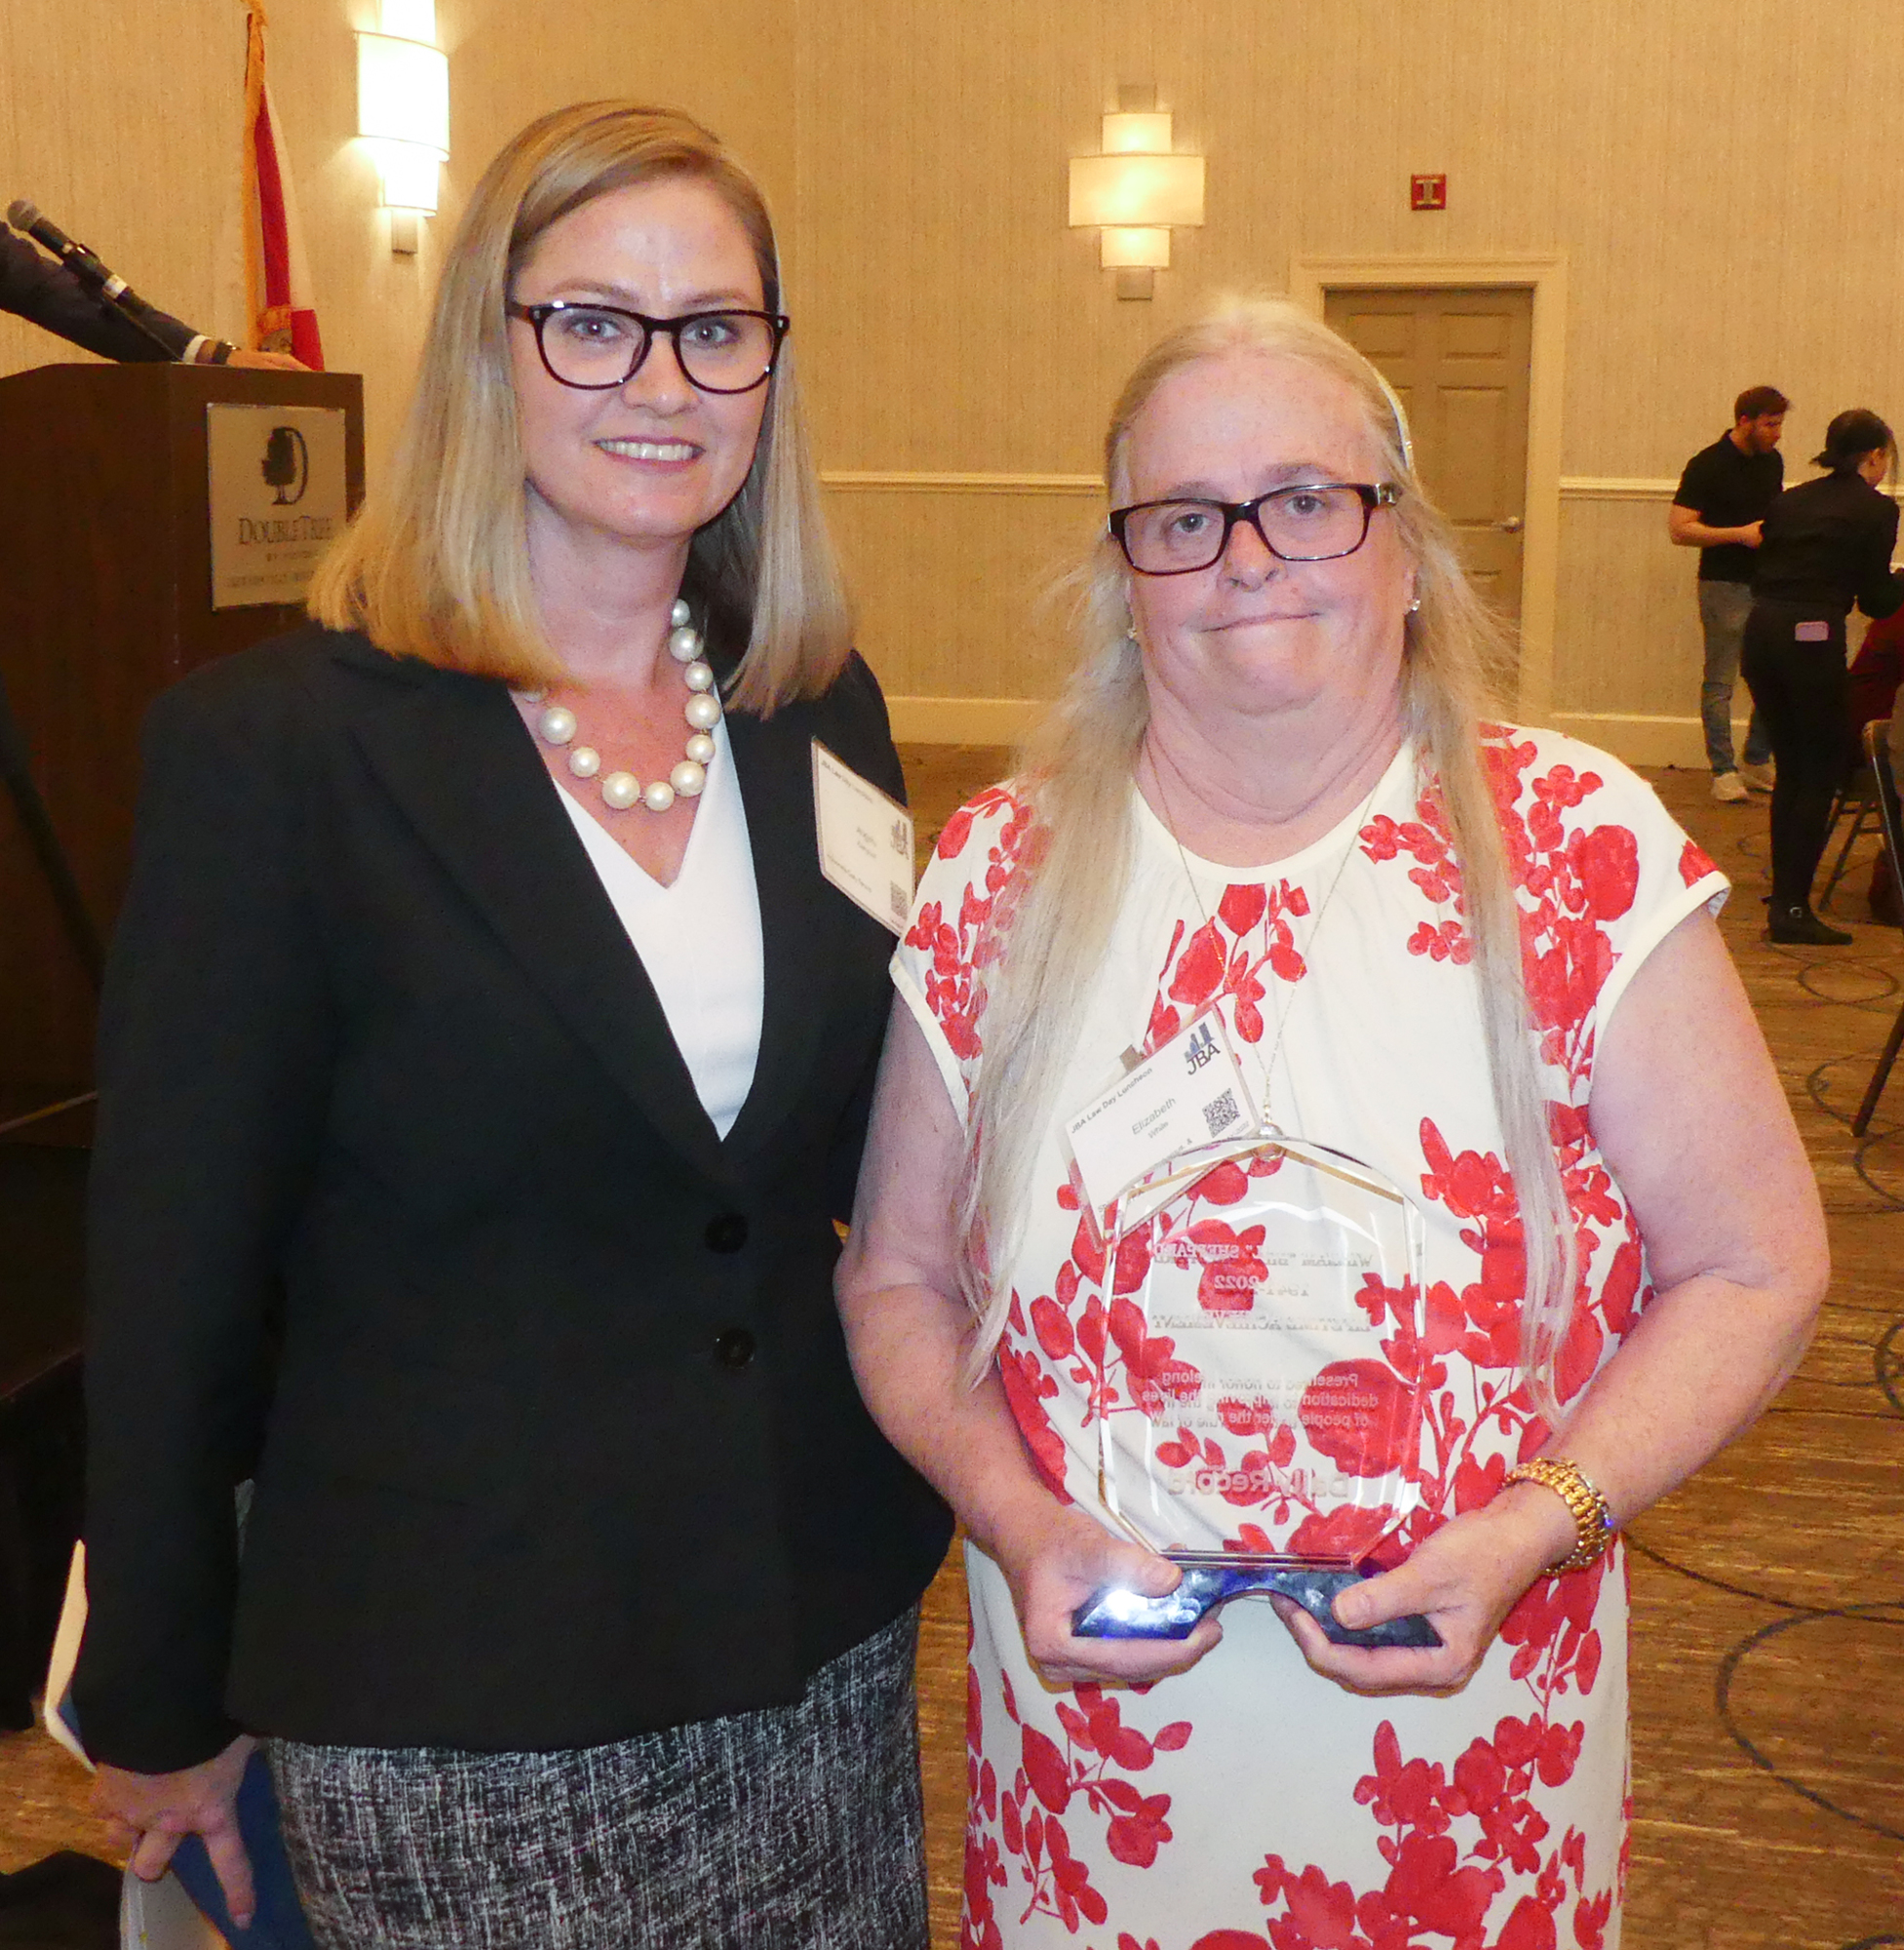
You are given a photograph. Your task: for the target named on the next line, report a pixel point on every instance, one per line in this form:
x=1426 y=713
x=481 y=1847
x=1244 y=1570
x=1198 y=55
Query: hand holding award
x=1267 y=1451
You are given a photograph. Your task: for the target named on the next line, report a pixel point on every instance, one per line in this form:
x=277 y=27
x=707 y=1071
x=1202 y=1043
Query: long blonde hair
x=1078 y=774
x=436 y=565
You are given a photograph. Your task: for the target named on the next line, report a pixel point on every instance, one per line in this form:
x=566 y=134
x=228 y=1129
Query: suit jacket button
x=733 y=1347
x=726 y=1234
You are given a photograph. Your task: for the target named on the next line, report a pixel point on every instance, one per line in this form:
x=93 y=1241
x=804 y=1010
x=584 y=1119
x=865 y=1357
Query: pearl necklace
x=620 y=791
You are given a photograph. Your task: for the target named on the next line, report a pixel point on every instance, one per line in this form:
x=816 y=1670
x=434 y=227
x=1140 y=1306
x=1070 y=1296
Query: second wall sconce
x=1135 y=194
x=403 y=112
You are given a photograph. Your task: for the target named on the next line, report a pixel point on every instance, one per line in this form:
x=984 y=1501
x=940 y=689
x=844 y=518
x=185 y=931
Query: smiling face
x=651 y=462
x=1251 y=634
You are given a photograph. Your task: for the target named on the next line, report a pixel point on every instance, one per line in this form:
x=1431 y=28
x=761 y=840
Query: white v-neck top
x=700 y=938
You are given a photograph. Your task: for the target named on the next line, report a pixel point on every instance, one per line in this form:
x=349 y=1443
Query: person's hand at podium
x=151 y=1814
x=259 y=362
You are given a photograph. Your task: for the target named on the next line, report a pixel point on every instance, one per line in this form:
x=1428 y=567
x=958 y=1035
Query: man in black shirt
x=1723 y=497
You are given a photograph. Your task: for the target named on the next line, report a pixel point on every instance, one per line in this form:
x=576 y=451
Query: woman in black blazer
x=499 y=1107
x=1824 y=546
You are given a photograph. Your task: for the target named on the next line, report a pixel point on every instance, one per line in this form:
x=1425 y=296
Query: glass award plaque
x=1249 y=1427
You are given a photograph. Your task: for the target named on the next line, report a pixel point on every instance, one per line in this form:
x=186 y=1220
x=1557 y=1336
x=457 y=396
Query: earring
x=1415 y=607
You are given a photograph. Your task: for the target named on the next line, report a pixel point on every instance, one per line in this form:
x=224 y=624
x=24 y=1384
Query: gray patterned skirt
x=793 y=1829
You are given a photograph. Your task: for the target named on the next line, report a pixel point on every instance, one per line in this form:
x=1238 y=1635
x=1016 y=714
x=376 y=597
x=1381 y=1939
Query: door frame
x=1310 y=278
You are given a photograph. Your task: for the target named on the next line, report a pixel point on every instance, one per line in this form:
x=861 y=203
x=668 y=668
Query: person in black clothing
x=42 y=290
x=578 y=1595
x=1825 y=545
x=1720 y=499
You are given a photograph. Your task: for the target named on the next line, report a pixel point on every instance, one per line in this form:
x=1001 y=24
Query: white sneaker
x=1761 y=778
x=1728 y=788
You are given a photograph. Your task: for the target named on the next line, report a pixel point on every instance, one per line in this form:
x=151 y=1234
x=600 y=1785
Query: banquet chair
x=1858 y=798
x=1877 y=749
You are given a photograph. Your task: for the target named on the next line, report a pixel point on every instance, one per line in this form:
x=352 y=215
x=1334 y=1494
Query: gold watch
x=1592 y=1514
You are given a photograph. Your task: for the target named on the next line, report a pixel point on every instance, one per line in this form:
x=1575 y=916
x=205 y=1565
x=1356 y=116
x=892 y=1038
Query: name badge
x=1190 y=1092
x=1812 y=633
x=866 y=839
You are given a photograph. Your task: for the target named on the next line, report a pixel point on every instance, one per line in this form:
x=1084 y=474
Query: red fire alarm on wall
x=1428 y=192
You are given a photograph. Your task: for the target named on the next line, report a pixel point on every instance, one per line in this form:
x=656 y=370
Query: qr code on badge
x=1221 y=1112
x=900 y=901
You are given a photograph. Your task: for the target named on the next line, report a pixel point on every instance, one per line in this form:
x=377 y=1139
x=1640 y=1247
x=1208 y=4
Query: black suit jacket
x=563 y=1444
x=38 y=288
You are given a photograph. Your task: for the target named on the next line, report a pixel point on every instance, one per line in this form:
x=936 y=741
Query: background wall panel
x=1722 y=218
x=990 y=559
x=1718 y=226
x=1627 y=626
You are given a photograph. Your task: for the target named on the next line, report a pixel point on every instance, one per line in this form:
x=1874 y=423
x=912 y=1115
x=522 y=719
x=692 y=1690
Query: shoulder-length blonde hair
x=1078 y=774
x=436 y=565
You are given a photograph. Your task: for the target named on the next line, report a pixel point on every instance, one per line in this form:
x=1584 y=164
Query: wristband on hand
x=215 y=352
x=1592 y=1514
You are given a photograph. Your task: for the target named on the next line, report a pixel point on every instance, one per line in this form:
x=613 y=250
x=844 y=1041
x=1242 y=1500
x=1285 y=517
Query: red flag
x=276 y=277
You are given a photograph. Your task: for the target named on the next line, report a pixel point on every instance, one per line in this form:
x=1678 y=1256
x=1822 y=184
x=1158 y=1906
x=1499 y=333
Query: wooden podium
x=105 y=597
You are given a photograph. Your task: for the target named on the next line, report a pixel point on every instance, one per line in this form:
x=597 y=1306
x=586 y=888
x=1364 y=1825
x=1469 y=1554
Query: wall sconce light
x=403 y=112
x=1135 y=194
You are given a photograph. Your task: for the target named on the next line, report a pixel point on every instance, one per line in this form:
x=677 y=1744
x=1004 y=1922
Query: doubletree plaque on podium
x=277 y=483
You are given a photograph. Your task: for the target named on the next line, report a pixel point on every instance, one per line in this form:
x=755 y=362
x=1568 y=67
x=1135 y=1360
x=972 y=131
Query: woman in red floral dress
x=1479 y=959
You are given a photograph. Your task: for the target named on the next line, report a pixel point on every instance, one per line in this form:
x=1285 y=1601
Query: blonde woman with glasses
x=1472 y=973
x=485 y=1053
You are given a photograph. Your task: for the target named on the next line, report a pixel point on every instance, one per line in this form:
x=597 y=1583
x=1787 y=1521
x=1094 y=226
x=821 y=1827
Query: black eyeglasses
x=1317 y=522
x=595 y=347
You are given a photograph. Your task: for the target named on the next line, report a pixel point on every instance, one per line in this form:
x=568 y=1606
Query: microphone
x=28 y=218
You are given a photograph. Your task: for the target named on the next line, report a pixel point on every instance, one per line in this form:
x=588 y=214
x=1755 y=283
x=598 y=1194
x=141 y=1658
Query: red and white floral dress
x=1248 y=1803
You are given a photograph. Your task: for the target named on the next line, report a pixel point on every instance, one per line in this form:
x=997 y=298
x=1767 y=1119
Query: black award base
x=1115 y=1613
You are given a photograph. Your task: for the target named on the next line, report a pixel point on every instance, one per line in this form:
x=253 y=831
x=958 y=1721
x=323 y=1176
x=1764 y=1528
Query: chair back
x=1877 y=750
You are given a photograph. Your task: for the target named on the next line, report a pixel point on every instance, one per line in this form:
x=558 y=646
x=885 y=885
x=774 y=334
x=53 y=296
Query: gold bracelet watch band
x=1593 y=1516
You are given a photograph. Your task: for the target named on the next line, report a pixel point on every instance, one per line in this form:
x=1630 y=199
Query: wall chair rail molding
x=849 y=481
x=1617 y=486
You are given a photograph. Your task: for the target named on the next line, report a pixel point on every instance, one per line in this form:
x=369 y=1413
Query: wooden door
x=1459 y=357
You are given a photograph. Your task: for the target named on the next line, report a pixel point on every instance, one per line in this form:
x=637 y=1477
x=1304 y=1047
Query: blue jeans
x=1723 y=610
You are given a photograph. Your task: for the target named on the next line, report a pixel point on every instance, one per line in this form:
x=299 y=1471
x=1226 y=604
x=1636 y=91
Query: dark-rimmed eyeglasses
x=1316 y=522
x=595 y=346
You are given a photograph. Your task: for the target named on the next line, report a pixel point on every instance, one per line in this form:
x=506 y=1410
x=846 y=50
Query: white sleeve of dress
x=1675 y=878
x=938 y=967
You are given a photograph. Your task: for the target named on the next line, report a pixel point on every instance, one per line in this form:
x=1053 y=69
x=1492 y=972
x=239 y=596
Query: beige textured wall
x=112 y=120
x=121 y=119
x=1718 y=198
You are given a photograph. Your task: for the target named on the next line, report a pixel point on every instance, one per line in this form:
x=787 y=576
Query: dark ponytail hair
x=1851 y=437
